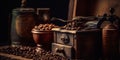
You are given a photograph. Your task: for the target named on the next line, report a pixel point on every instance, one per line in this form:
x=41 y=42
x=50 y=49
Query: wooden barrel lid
x=110 y=26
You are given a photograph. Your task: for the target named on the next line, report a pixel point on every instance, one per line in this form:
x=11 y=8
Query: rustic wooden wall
x=92 y=7
x=116 y=5
x=103 y=6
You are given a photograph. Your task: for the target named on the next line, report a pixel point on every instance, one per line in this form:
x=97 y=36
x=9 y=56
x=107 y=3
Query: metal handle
x=59 y=50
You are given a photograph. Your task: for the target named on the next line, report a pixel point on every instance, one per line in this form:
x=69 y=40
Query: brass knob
x=65 y=38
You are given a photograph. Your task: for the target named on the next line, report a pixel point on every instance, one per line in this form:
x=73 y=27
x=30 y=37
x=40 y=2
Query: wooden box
x=84 y=44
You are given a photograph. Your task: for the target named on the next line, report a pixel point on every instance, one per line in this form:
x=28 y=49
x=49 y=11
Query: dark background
x=58 y=8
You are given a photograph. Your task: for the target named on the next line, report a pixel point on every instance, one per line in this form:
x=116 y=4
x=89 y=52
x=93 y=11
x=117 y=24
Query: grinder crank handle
x=104 y=18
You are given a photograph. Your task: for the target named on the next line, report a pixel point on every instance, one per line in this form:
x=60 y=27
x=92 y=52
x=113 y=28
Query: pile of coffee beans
x=75 y=25
x=6 y=58
x=31 y=53
x=44 y=27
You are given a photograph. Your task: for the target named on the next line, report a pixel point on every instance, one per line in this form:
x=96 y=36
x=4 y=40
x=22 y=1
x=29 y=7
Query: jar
x=110 y=42
x=23 y=20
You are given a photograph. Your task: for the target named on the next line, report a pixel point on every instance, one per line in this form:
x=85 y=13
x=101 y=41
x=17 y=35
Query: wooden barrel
x=110 y=42
x=23 y=20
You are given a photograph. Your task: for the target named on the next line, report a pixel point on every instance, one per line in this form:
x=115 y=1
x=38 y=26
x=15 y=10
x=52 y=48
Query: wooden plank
x=72 y=9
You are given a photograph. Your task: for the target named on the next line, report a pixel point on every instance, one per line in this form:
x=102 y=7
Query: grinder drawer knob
x=65 y=38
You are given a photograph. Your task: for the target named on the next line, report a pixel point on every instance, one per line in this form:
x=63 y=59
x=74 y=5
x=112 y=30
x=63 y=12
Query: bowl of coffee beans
x=43 y=36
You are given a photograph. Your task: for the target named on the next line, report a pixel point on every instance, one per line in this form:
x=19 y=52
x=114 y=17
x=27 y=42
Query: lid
x=23 y=10
x=19 y=11
x=23 y=7
x=110 y=26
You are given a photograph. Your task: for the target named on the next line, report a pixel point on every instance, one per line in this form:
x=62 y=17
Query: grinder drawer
x=62 y=50
x=64 y=38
